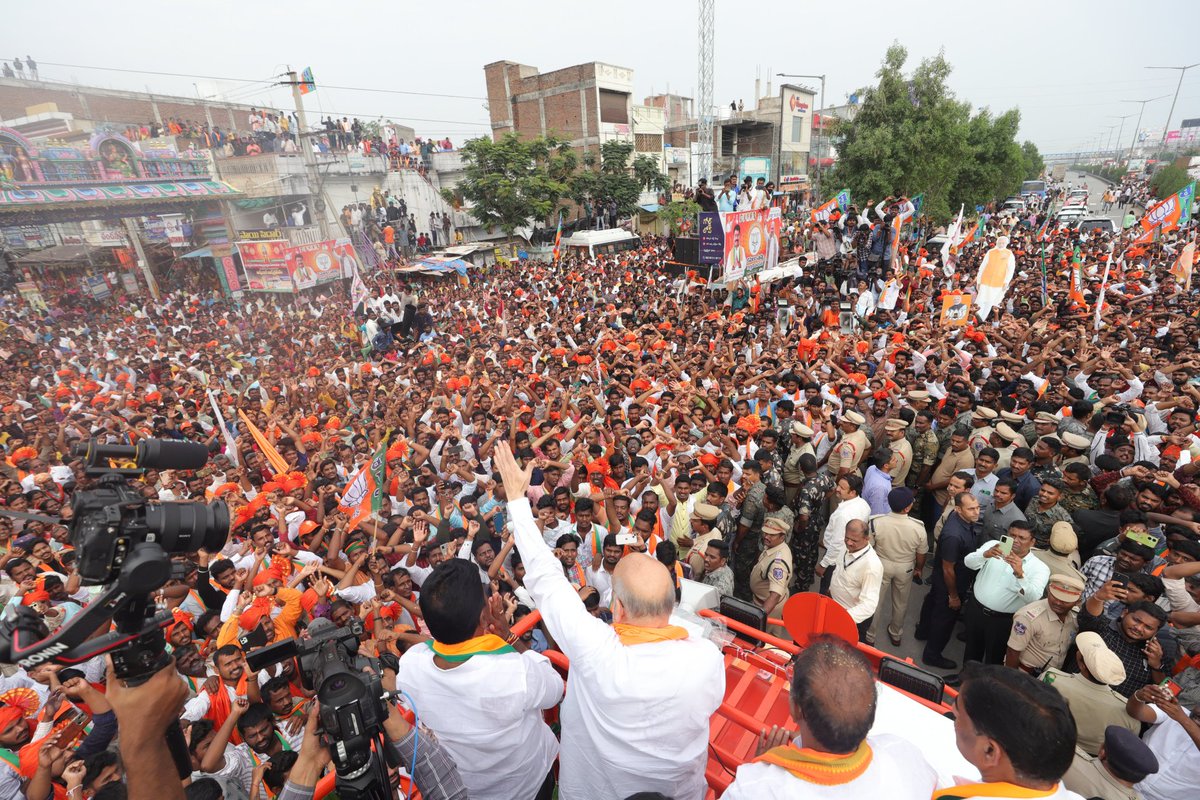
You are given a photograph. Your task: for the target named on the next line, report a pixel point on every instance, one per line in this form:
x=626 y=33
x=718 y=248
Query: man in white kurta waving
x=639 y=693
x=995 y=273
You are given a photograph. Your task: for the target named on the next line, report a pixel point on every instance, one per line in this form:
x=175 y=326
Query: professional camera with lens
x=109 y=520
x=123 y=542
x=352 y=700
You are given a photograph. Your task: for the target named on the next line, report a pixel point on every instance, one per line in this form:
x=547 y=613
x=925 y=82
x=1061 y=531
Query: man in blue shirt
x=877 y=481
x=1009 y=577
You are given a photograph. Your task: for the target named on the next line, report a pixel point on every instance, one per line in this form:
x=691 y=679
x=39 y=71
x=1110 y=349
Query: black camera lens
x=187 y=527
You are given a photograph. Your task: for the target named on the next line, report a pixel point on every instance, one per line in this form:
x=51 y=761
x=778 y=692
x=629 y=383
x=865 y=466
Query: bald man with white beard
x=640 y=692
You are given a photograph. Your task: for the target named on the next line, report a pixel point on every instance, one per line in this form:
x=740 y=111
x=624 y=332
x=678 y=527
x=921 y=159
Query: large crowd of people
x=578 y=439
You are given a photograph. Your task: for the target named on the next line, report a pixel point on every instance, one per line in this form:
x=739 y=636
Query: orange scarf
x=636 y=634
x=219 y=705
x=826 y=769
x=998 y=789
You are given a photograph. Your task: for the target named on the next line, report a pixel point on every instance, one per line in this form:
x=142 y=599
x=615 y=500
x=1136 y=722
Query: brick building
x=586 y=104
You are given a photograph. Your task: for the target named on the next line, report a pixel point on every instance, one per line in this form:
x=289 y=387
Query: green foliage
x=1169 y=180
x=911 y=135
x=1034 y=164
x=674 y=214
x=513 y=181
x=611 y=177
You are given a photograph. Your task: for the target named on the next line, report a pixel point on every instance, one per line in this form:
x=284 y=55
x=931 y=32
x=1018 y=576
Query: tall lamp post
x=821 y=78
x=1178 y=86
x=1121 y=132
x=1138 y=126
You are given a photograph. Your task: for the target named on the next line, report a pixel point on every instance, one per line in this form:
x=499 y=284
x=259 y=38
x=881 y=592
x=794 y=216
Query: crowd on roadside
x=579 y=438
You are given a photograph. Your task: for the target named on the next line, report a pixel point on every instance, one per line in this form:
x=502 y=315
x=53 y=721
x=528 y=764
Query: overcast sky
x=1066 y=65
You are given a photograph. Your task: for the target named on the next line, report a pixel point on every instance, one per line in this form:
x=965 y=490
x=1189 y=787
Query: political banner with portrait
x=956 y=309
x=320 y=262
x=751 y=242
x=266 y=266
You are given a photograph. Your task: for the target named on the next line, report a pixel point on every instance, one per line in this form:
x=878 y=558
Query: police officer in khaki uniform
x=1042 y=631
x=1093 y=702
x=704 y=529
x=1063 y=555
x=1076 y=449
x=793 y=476
x=901 y=544
x=1005 y=440
x=981 y=429
x=896 y=430
x=849 y=451
x=1124 y=760
x=771 y=574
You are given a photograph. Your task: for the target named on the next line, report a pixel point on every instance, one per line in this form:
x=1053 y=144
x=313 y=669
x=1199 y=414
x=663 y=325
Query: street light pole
x=1121 y=132
x=817 y=185
x=1138 y=126
x=1178 y=86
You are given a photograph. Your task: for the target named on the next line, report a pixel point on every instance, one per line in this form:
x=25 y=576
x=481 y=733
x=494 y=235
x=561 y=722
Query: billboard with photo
x=322 y=262
x=751 y=242
x=266 y=266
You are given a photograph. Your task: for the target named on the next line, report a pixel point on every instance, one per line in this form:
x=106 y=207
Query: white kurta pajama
x=636 y=717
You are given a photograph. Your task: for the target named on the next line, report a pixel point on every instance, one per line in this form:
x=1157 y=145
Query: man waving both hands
x=639 y=693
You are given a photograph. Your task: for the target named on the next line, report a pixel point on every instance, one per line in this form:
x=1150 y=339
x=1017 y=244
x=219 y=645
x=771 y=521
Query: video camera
x=122 y=541
x=352 y=700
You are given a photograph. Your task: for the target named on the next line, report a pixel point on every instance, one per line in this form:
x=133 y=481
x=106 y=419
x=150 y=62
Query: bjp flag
x=956 y=310
x=1182 y=268
x=273 y=456
x=364 y=493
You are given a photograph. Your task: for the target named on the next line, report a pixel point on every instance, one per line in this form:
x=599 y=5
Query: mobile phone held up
x=1006 y=544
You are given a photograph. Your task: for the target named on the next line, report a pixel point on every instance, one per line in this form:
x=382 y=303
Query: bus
x=1034 y=187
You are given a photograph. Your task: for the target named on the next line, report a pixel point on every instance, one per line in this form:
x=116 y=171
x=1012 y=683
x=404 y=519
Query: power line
x=393 y=91
x=152 y=72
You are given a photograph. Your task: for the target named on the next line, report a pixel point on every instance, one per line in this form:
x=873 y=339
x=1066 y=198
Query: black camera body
x=351 y=696
x=109 y=520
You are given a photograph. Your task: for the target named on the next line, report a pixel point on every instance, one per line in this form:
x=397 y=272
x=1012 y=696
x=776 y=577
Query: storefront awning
x=203 y=252
x=59 y=254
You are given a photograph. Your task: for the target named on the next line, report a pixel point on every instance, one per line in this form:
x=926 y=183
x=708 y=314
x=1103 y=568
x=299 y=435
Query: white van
x=592 y=243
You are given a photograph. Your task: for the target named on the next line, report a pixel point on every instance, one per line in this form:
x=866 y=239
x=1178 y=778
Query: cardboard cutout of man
x=995 y=273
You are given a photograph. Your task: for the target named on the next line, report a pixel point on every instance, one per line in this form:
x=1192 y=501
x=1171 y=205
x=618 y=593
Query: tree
x=911 y=136
x=613 y=178
x=514 y=181
x=1034 y=165
x=996 y=164
x=1169 y=180
x=675 y=214
x=648 y=175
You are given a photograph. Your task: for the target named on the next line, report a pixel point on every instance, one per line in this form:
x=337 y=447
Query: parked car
x=1070 y=216
x=1097 y=224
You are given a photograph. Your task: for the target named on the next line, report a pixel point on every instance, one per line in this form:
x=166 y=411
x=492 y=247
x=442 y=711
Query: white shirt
x=897 y=771
x=835 y=531
x=1178 y=761
x=487 y=713
x=636 y=718
x=856 y=582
